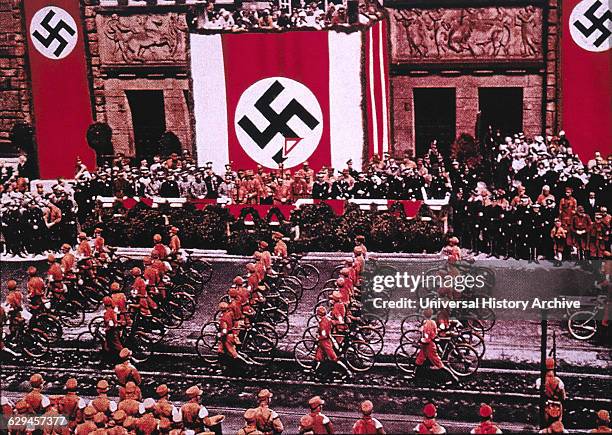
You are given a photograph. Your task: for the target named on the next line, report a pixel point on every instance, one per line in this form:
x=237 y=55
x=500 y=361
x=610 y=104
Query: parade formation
x=305 y=218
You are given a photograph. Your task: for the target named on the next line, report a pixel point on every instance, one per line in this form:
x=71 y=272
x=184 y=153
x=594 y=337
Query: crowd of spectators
x=311 y=15
x=519 y=197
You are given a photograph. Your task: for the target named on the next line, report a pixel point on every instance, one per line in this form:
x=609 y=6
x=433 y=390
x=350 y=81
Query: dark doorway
x=501 y=108
x=148 y=119
x=434 y=118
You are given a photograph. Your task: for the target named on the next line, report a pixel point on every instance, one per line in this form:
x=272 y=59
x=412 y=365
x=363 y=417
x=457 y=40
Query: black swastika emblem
x=54 y=33
x=278 y=122
x=598 y=23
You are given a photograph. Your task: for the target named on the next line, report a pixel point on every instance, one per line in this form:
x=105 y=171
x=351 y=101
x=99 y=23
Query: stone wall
x=470 y=48
x=466 y=88
x=14 y=90
x=139 y=49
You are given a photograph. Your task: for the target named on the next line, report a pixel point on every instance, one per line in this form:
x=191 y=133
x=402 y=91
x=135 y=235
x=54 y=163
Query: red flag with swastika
x=586 y=68
x=60 y=90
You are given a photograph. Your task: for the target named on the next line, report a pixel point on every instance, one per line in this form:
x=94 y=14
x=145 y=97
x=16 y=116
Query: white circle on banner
x=590 y=25
x=53 y=32
x=278 y=120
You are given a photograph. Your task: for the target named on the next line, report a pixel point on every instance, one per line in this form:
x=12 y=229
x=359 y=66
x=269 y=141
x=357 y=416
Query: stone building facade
x=449 y=59
x=458 y=67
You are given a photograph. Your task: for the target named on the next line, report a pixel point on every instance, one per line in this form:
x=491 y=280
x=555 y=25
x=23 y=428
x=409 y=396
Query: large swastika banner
x=586 y=63
x=58 y=69
x=275 y=99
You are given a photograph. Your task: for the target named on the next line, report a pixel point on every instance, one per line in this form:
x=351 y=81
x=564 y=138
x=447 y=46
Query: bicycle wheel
x=304 y=353
x=372 y=337
x=463 y=360
x=374 y=321
x=35 y=343
x=308 y=275
x=474 y=339
x=311 y=332
x=259 y=348
x=71 y=313
x=207 y=345
x=582 y=325
x=289 y=295
x=360 y=356
x=281 y=324
x=206 y=271
x=486 y=317
x=96 y=326
x=268 y=331
x=295 y=284
x=325 y=294
x=405 y=357
x=181 y=305
x=48 y=324
x=411 y=337
x=184 y=288
x=165 y=316
x=412 y=321
x=312 y=321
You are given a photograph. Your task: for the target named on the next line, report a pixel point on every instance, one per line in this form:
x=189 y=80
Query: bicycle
x=461 y=358
x=583 y=325
x=354 y=350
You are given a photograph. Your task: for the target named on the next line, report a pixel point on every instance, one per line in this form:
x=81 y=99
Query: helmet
x=115 y=287
x=321 y=311
x=223 y=306
x=136 y=271
x=107 y=301
x=340 y=282
x=11 y=284
x=31 y=271
x=238 y=280
x=157 y=238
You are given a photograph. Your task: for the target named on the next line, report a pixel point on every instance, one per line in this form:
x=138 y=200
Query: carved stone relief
x=138 y=39
x=440 y=35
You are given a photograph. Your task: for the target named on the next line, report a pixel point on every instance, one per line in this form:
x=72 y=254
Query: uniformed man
x=321 y=424
x=101 y=402
x=36 y=290
x=429 y=423
x=125 y=371
x=267 y=420
x=71 y=405
x=175 y=242
x=598 y=237
x=486 y=425
x=250 y=424
x=602 y=422
x=558 y=235
x=88 y=424
x=159 y=248
x=130 y=397
x=427 y=345
x=147 y=423
x=280 y=248
x=227 y=338
x=112 y=343
x=567 y=207
x=368 y=424
x=325 y=345
x=195 y=416
x=35 y=399
x=579 y=232
x=163 y=407
x=554 y=392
